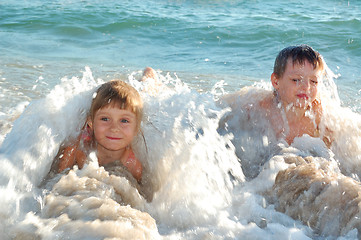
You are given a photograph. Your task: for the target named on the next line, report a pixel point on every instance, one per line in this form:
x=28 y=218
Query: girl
x=113 y=121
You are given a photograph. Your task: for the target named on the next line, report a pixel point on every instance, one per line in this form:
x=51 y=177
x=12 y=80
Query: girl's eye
x=124 y=121
x=296 y=80
x=104 y=119
x=314 y=82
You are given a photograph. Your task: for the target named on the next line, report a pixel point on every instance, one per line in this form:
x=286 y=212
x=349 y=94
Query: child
x=113 y=121
x=294 y=107
x=151 y=81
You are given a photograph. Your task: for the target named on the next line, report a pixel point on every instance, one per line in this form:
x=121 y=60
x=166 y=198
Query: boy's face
x=298 y=86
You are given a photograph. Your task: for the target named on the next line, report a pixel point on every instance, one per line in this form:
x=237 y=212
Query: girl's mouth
x=113 y=138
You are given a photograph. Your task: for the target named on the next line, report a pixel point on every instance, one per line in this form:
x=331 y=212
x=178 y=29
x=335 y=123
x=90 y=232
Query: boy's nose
x=305 y=84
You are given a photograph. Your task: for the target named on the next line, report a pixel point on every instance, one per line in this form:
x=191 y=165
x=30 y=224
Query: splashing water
x=204 y=182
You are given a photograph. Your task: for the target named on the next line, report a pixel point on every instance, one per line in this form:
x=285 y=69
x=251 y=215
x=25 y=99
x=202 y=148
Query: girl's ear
x=89 y=123
x=275 y=81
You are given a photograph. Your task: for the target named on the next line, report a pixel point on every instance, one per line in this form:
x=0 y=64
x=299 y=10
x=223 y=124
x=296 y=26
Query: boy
x=294 y=108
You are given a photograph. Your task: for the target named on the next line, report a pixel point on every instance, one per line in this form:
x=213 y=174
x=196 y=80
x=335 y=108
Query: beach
x=206 y=183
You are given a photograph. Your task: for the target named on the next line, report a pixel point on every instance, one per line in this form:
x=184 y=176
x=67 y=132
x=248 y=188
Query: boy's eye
x=314 y=82
x=296 y=80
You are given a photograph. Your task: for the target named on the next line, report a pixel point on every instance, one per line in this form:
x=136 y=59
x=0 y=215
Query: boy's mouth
x=302 y=96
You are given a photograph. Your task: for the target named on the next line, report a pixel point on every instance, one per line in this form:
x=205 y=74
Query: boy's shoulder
x=247 y=96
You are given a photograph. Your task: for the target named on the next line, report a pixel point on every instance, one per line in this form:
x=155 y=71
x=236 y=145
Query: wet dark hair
x=298 y=55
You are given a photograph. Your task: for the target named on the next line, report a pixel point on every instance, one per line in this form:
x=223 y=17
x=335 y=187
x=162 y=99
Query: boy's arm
x=229 y=99
x=327 y=136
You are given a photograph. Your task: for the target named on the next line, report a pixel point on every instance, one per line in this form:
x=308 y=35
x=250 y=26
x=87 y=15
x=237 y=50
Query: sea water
x=55 y=53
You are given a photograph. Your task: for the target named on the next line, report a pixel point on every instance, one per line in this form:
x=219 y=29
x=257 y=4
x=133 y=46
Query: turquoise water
x=199 y=40
x=194 y=45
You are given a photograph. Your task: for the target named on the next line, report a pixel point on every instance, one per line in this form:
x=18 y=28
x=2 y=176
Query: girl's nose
x=114 y=127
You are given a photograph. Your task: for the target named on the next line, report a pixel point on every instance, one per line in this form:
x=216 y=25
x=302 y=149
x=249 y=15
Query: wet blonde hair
x=117 y=93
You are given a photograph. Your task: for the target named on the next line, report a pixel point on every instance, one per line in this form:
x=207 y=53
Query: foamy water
x=204 y=182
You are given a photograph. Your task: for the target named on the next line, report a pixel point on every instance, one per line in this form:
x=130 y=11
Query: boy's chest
x=303 y=126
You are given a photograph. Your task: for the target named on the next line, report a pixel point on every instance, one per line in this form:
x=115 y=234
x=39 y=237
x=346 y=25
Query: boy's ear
x=275 y=81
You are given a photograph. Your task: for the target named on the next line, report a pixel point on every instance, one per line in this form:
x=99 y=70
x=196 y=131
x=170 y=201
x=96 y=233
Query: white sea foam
x=203 y=184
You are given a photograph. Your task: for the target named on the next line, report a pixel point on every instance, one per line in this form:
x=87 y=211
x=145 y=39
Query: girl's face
x=114 y=128
x=299 y=84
